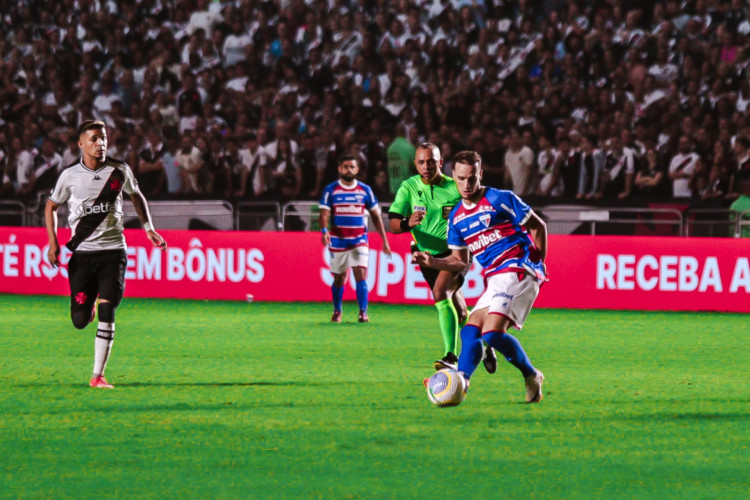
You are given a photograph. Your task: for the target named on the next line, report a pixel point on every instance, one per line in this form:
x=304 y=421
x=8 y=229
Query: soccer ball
x=446 y=388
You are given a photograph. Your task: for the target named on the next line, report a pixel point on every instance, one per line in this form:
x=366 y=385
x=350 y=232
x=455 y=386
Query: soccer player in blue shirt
x=509 y=241
x=349 y=200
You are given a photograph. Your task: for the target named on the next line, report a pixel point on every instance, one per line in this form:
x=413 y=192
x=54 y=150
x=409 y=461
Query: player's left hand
x=423 y=259
x=156 y=239
x=387 y=248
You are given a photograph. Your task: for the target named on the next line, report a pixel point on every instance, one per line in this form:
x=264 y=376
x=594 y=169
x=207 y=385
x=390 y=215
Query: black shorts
x=96 y=274
x=431 y=275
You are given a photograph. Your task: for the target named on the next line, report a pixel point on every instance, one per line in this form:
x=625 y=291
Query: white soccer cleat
x=534 y=387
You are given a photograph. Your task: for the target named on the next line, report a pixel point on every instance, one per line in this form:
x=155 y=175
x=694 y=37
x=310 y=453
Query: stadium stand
x=252 y=101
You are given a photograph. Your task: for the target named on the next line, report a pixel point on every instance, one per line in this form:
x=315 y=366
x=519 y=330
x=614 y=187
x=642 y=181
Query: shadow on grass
x=79 y=385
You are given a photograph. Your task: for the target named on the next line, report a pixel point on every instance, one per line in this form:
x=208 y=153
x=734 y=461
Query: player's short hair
x=744 y=141
x=468 y=158
x=87 y=125
x=347 y=157
x=430 y=145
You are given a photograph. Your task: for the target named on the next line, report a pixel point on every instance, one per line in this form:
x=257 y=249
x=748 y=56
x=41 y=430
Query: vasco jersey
x=436 y=201
x=348 y=206
x=492 y=230
x=94 y=201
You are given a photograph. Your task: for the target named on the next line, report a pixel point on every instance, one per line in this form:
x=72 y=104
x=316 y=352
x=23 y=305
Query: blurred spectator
x=169 y=160
x=550 y=169
x=400 y=159
x=616 y=179
x=592 y=161
x=740 y=208
x=190 y=160
x=519 y=165
x=682 y=168
x=150 y=174
x=250 y=178
x=650 y=180
x=47 y=165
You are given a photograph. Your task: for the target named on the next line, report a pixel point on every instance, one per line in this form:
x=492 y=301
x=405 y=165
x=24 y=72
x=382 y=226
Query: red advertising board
x=586 y=272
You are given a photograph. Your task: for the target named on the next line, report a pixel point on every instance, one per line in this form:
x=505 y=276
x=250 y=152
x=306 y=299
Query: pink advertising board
x=602 y=272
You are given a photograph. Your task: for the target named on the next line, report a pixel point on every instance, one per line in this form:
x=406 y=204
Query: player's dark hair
x=347 y=157
x=87 y=125
x=467 y=158
x=744 y=141
x=429 y=145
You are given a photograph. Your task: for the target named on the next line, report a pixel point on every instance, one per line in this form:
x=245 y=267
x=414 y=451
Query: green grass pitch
x=259 y=400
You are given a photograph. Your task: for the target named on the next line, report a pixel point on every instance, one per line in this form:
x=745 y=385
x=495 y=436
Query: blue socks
x=510 y=347
x=338 y=296
x=362 y=295
x=504 y=343
x=471 y=349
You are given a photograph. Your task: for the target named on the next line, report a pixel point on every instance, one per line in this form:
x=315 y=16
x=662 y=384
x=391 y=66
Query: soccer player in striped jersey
x=346 y=202
x=509 y=241
x=92 y=189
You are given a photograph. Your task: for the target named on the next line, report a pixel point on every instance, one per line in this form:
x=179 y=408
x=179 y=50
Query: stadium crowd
x=251 y=99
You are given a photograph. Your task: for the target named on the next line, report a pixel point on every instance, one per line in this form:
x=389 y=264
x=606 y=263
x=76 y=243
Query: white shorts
x=507 y=296
x=354 y=257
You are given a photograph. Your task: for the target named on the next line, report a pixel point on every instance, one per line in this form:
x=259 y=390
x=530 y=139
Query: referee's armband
x=405 y=227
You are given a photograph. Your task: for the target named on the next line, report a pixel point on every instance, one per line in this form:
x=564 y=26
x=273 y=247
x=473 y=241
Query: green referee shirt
x=437 y=201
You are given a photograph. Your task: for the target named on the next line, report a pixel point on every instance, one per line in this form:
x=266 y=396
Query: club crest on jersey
x=115 y=185
x=81 y=298
x=485 y=219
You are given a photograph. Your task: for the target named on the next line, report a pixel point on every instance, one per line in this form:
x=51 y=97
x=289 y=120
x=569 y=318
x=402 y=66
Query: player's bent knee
x=80 y=319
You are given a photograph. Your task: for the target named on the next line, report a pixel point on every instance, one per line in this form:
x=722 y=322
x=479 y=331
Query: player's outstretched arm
x=141 y=208
x=50 y=222
x=456 y=262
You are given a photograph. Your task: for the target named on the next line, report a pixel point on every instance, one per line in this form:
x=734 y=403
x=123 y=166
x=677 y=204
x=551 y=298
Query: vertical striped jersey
x=493 y=231
x=349 y=206
x=94 y=199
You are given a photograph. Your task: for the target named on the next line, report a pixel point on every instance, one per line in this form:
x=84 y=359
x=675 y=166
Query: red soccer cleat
x=100 y=383
x=336 y=317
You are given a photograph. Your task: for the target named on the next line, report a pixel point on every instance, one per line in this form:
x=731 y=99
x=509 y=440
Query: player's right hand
x=325 y=239
x=416 y=218
x=53 y=254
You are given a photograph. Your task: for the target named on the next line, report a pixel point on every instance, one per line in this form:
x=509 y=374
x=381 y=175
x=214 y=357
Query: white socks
x=105 y=335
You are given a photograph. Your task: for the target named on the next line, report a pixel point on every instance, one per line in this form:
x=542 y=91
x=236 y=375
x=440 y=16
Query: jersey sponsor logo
x=485 y=239
x=349 y=210
x=502 y=295
x=419 y=208
x=98 y=208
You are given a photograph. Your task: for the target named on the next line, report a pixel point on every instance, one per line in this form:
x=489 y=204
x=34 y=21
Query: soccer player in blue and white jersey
x=509 y=241
x=348 y=201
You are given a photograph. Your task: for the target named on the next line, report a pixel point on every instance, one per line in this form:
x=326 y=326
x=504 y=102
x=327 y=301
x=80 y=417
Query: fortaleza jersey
x=492 y=230
x=349 y=206
x=94 y=199
x=437 y=201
